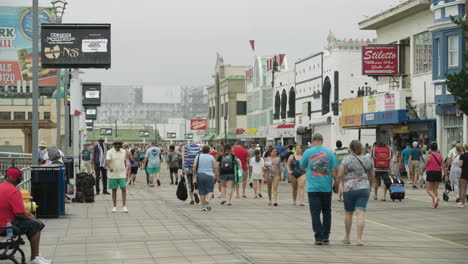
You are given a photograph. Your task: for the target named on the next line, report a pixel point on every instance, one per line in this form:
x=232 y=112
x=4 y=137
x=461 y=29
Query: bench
x=9 y=247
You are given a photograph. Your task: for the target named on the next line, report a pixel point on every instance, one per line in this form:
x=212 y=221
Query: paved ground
x=161 y=229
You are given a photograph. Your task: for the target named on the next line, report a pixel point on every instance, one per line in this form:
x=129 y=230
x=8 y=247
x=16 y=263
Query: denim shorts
x=205 y=183
x=356 y=199
x=227 y=177
x=28 y=227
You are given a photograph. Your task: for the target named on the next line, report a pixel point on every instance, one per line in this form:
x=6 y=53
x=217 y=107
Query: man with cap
x=116 y=158
x=12 y=210
x=100 y=165
x=321 y=165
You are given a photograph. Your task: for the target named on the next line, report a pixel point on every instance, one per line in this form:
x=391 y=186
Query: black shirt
x=464 y=157
x=226 y=171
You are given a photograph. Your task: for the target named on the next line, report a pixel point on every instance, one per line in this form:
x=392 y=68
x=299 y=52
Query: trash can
x=48 y=190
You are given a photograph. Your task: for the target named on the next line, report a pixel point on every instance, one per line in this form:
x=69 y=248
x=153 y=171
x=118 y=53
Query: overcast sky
x=166 y=44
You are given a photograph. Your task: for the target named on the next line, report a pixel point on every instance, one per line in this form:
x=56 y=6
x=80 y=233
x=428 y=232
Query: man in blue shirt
x=321 y=165
x=414 y=162
x=405 y=154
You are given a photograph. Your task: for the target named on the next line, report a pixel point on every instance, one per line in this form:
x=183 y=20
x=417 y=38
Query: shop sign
x=251 y=131
x=16 y=45
x=350 y=121
x=91 y=113
x=198 y=124
x=106 y=131
x=386 y=117
x=240 y=131
x=189 y=136
x=371 y=106
x=171 y=135
x=91 y=94
x=400 y=129
x=380 y=60
x=389 y=102
x=144 y=133
x=352 y=106
x=76 y=45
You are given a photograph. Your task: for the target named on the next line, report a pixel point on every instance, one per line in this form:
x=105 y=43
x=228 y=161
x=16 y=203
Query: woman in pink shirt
x=434 y=166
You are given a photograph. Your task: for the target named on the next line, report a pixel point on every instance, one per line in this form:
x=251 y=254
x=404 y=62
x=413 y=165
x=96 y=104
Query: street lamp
x=225 y=129
x=60 y=6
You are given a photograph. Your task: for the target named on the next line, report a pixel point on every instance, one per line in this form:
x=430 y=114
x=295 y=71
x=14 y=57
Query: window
x=46 y=115
x=422 y=53
x=5 y=115
x=241 y=108
x=453 y=51
x=438 y=62
x=226 y=109
x=451 y=11
x=19 y=115
x=29 y=115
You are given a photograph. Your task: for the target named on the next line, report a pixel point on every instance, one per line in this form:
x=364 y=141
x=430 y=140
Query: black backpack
x=182 y=190
x=227 y=162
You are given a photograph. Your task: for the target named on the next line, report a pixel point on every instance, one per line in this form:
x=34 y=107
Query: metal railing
x=26 y=183
x=21 y=161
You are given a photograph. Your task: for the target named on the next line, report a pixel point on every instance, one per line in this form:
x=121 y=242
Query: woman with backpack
x=434 y=166
x=273 y=175
x=297 y=178
x=204 y=177
x=357 y=173
x=226 y=164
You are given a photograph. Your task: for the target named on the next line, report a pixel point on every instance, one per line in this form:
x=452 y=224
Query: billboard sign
x=76 y=45
x=16 y=46
x=198 y=124
x=171 y=135
x=91 y=94
x=144 y=133
x=106 y=131
x=91 y=113
x=380 y=60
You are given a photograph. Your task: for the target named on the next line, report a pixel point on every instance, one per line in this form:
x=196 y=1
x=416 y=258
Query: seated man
x=12 y=209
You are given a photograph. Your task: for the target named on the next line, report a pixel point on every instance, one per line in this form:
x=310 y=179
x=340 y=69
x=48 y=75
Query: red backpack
x=382 y=156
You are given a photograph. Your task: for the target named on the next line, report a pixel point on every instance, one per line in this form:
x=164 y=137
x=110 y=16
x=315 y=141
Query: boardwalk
x=161 y=229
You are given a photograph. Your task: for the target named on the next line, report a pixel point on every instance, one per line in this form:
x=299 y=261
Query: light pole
x=225 y=129
x=35 y=83
x=59 y=6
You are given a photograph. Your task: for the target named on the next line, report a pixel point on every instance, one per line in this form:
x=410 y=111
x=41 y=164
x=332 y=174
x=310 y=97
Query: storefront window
x=422 y=53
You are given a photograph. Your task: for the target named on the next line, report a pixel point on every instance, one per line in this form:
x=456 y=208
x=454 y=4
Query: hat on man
x=43 y=144
x=13 y=173
x=101 y=138
x=317 y=136
x=117 y=141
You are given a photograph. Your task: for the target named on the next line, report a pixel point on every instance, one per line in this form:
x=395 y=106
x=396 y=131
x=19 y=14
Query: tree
x=457 y=83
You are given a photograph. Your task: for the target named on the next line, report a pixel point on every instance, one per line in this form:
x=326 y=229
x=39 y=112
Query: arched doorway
x=276 y=115
x=326 y=92
x=284 y=104
x=292 y=103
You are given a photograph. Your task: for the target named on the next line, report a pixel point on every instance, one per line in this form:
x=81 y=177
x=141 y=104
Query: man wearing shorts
x=117 y=174
x=12 y=210
x=405 y=154
x=174 y=161
x=153 y=167
x=414 y=164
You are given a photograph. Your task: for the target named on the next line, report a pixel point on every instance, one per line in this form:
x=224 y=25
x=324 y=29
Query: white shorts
x=257 y=176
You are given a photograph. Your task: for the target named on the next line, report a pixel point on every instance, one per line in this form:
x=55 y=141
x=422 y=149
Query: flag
x=252 y=44
x=281 y=59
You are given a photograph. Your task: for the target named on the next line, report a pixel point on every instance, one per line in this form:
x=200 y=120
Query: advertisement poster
x=380 y=60
x=389 y=102
x=16 y=46
x=371 y=106
x=198 y=124
x=76 y=45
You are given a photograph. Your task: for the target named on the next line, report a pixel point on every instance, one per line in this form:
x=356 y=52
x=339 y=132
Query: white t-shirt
x=117 y=163
x=257 y=167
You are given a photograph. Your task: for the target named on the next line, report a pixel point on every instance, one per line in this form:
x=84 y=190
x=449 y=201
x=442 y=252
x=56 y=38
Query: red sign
x=389 y=102
x=380 y=60
x=198 y=124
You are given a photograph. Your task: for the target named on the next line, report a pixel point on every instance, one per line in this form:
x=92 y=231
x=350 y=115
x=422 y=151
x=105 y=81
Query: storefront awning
x=209 y=137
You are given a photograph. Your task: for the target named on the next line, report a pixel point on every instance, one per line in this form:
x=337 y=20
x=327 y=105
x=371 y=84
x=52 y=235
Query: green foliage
x=457 y=83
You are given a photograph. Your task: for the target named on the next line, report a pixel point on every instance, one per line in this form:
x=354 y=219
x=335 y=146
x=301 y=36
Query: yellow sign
x=352 y=106
x=251 y=131
x=350 y=121
x=400 y=130
x=371 y=105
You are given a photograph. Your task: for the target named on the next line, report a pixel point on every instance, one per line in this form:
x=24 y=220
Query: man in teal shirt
x=321 y=165
x=405 y=154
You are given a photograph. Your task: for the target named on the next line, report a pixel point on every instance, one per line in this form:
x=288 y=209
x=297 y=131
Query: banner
x=16 y=46
x=76 y=45
x=198 y=124
x=380 y=60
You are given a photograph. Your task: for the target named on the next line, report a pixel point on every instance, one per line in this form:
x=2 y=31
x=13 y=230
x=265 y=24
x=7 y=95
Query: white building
x=284 y=108
x=322 y=81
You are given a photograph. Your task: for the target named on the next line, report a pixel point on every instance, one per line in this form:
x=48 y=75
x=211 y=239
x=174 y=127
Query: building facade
x=447 y=56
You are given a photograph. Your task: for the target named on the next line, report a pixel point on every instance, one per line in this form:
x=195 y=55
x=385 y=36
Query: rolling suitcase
x=396 y=189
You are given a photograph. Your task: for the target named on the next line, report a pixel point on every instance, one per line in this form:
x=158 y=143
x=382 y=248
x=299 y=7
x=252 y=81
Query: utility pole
x=35 y=83
x=116 y=135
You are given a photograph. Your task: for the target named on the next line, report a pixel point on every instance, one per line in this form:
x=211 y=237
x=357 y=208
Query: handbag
x=181 y=192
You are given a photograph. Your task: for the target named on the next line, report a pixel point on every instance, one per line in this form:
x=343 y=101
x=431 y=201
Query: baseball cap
x=13 y=173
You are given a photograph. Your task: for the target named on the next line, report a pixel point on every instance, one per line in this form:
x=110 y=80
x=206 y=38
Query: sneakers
x=318 y=243
x=326 y=242
x=204 y=209
x=461 y=205
x=114 y=209
x=208 y=206
x=436 y=204
x=40 y=260
x=124 y=209
x=220 y=195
